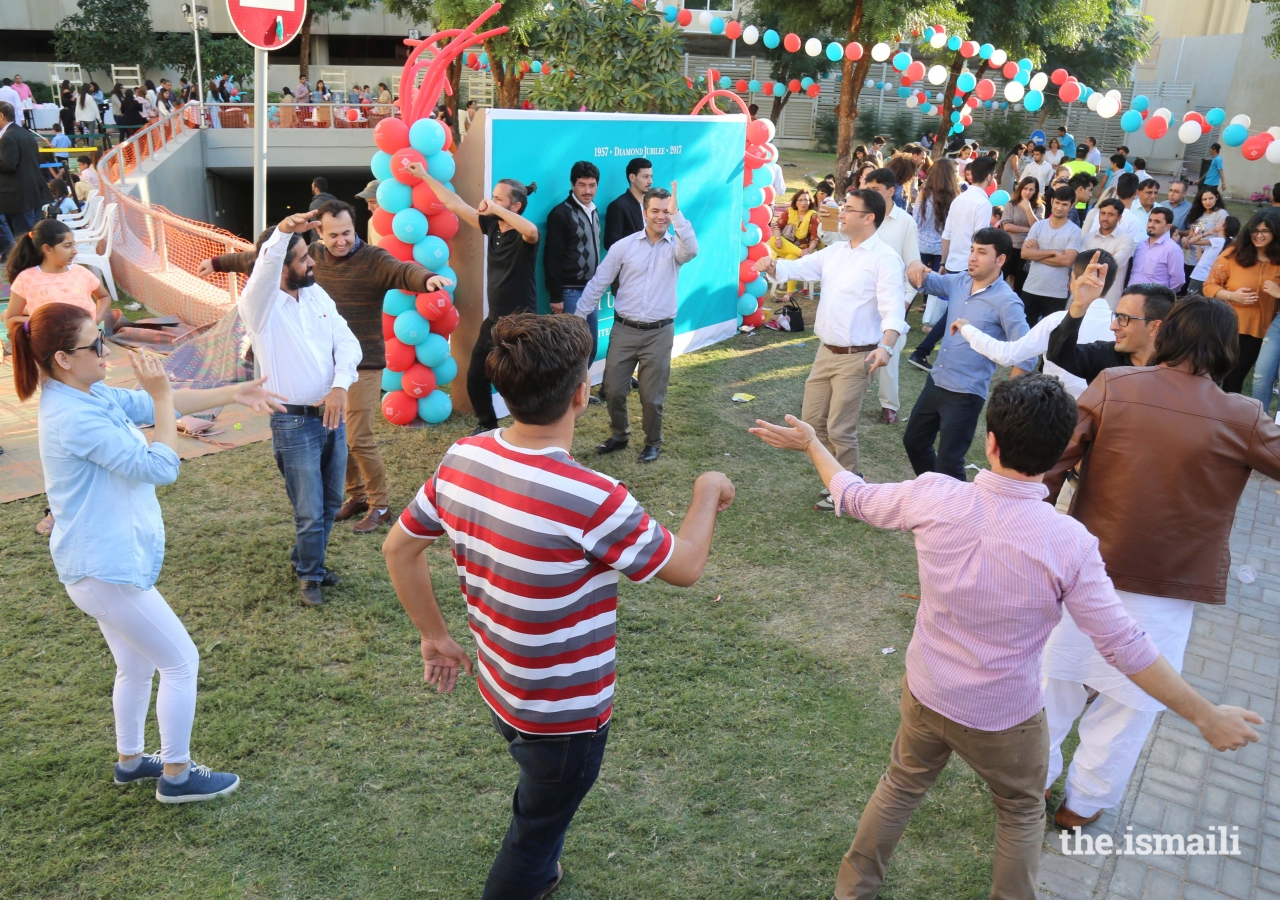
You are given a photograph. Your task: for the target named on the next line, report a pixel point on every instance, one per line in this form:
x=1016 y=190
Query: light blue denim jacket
x=100 y=477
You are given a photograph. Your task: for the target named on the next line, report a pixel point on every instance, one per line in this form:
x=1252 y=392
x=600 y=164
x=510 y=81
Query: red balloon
x=443 y=225
x=1069 y=92
x=742 y=287
x=759 y=251
x=1255 y=147
x=769 y=195
x=985 y=90
x=1155 y=127
x=990 y=188
x=1059 y=76
x=814 y=90
x=388 y=326
x=397 y=406
x=425 y=200
x=757 y=132
x=397 y=248
x=755 y=320
x=1010 y=70
x=915 y=71
x=853 y=50
x=432 y=305
x=969 y=49
x=398 y=160
x=794 y=85
x=382 y=221
x=400 y=355
x=733 y=30
x=740 y=86
x=791 y=42
x=391 y=135
x=906 y=80
x=746 y=271
x=445 y=325
x=972 y=102
x=760 y=217
x=418 y=381
x=448 y=139
x=1198 y=118
x=684 y=17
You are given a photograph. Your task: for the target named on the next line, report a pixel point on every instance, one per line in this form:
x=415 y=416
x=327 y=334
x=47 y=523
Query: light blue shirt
x=1213 y=176
x=1068 y=146
x=1179 y=212
x=995 y=310
x=100 y=478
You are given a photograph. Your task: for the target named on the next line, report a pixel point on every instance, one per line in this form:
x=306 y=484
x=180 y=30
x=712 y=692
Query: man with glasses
x=859 y=318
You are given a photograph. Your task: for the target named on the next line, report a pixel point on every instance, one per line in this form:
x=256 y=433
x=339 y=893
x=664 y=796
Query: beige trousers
x=366 y=473
x=833 y=395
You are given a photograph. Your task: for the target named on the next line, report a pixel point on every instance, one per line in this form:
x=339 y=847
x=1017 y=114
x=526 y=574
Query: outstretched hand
x=204 y=269
x=149 y=370
x=1228 y=727
x=672 y=205
x=917 y=272
x=253 y=395
x=299 y=222
x=441 y=660
x=797 y=437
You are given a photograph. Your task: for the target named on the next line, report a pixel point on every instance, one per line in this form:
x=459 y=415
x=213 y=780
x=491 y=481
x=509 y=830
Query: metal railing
x=298 y=115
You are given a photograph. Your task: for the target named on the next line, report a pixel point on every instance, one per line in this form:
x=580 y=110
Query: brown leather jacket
x=1166 y=456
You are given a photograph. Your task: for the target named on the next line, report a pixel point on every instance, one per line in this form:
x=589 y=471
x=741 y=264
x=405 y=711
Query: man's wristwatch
x=887 y=349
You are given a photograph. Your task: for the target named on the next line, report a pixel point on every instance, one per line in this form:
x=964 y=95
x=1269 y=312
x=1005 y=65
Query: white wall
x=1254 y=91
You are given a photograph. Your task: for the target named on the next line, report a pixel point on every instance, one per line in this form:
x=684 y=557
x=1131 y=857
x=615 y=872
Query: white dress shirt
x=1119 y=245
x=304 y=345
x=1130 y=223
x=13 y=98
x=1043 y=172
x=862 y=291
x=646 y=272
x=1094 y=156
x=900 y=232
x=969 y=212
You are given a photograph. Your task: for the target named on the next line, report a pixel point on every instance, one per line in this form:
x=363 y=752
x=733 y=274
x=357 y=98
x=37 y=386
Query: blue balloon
x=1033 y=100
x=1023 y=77
x=394 y=196
x=747 y=304
x=409 y=225
x=432 y=351
x=752 y=195
x=1234 y=135
x=901 y=60
x=447 y=272
x=1131 y=121
x=999 y=198
x=1215 y=117
x=391 y=380
x=446 y=371
x=431 y=252
x=1024 y=64
x=757 y=288
x=926 y=109
x=435 y=407
x=427 y=137
x=779 y=89
x=956 y=117
x=717 y=25
x=835 y=52
x=381 y=165
x=987 y=104
x=753 y=86
x=671 y=13
x=954 y=42
x=739 y=325
x=986 y=51
x=929 y=33
x=1139 y=102
x=771 y=39
x=761 y=178
x=966 y=82
x=957 y=101
x=805 y=83
x=742 y=250
x=904 y=92
x=395 y=302
x=725 y=81
x=751 y=235
x=957 y=128
x=411 y=327
x=441 y=165
x=449 y=186
x=535 y=67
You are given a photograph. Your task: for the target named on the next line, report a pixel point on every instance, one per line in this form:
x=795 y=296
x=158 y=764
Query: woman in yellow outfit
x=795 y=233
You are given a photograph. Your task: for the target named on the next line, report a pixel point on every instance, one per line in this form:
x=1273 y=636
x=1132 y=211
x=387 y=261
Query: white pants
x=934 y=310
x=144 y=634
x=889 y=376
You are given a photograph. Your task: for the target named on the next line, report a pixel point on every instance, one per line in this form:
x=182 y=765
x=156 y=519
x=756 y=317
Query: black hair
x=1112 y=203
x=1164 y=211
x=1093 y=139
x=1118 y=160
x=1148 y=182
x=872 y=201
x=6 y=110
x=883 y=176
x=1231 y=227
x=637 y=165
x=994 y=237
x=583 y=169
x=1139 y=162
x=85 y=159
x=1086 y=257
x=1157 y=299
x=1038 y=148
x=1063 y=193
x=1124 y=150
x=654 y=194
x=294 y=239
x=28 y=250
x=1126 y=185
x=336 y=207
x=1275 y=192
x=1216 y=146
x=754 y=109
x=1197 y=207
x=320 y=183
x=981 y=169
x=537 y=363
x=1062 y=128
x=1032 y=418
x=1203 y=331
x=1082 y=179
x=1082 y=151
x=1242 y=248
x=878 y=140
x=519 y=191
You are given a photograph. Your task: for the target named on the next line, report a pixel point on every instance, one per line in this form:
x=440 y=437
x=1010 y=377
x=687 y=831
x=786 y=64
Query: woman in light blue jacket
x=108 y=537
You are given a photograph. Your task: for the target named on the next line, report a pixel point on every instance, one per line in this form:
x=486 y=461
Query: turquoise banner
x=704 y=154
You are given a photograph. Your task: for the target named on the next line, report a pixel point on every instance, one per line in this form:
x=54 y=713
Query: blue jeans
x=556 y=772
x=1267 y=368
x=571 y=297
x=313 y=461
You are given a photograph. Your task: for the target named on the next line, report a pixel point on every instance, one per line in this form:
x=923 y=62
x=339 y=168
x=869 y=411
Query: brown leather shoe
x=372 y=522
x=1067 y=820
x=890 y=416
x=351 y=509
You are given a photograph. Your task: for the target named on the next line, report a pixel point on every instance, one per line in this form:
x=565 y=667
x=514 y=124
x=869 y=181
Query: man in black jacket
x=573 y=246
x=1141 y=310
x=22 y=186
x=625 y=214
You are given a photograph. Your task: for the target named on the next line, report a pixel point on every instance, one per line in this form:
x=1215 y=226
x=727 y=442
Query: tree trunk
x=852 y=75
x=455 y=81
x=304 y=48
x=506 y=79
x=940 y=142
x=779 y=103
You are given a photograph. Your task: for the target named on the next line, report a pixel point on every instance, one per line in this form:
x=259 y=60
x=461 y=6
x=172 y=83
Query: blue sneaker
x=149 y=769
x=202 y=784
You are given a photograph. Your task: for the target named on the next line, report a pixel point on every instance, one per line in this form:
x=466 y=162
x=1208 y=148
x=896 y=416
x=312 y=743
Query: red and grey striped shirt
x=539 y=540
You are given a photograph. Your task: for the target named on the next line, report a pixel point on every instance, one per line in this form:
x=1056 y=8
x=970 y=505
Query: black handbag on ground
x=790 y=318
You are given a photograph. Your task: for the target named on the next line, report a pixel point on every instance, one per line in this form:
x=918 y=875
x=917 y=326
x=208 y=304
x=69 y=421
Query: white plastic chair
x=90 y=215
x=87 y=254
x=91 y=236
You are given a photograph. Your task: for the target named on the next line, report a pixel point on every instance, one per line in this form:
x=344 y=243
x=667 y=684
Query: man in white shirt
x=860 y=316
x=9 y=95
x=310 y=356
x=1110 y=238
x=900 y=232
x=1131 y=223
x=1094 y=155
x=1145 y=200
x=970 y=212
x=1039 y=168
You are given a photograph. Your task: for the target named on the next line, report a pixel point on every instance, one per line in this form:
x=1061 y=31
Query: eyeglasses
x=859 y=212
x=1266 y=231
x=99 y=347
x=1122 y=320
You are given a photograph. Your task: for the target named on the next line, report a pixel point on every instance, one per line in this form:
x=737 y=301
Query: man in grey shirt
x=646 y=265
x=1051 y=247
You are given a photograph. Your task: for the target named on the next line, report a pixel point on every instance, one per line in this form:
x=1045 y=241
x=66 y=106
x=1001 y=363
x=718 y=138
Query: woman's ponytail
x=52 y=327
x=28 y=252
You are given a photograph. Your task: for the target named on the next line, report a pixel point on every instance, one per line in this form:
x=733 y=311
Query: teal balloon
x=771 y=39
x=725 y=81
x=446 y=371
x=435 y=407
x=1139 y=102
x=761 y=177
x=957 y=128
x=395 y=302
x=427 y=136
x=1033 y=100
x=835 y=52
x=391 y=380
x=954 y=42
x=805 y=83
x=742 y=250
x=449 y=187
x=986 y=51
x=1215 y=116
x=409 y=225
x=901 y=60
x=535 y=67
x=441 y=165
x=752 y=196
x=739 y=325
x=779 y=89
x=751 y=236
x=394 y=196
x=757 y=288
x=1023 y=77
x=966 y=82
x=717 y=25
x=431 y=252
x=411 y=327
x=381 y=165
x=904 y=92
x=1235 y=135
x=671 y=13
x=753 y=86
x=1024 y=64
x=1131 y=121
x=926 y=109
x=999 y=198
x=747 y=304
x=929 y=33
x=447 y=272
x=432 y=351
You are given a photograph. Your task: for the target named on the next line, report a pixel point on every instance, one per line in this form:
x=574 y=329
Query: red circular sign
x=267 y=24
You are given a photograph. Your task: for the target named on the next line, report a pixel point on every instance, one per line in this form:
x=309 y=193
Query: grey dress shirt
x=646 y=274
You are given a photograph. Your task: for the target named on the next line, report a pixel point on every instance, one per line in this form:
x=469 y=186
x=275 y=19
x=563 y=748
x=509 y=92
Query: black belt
x=643 y=326
x=864 y=348
x=295 y=410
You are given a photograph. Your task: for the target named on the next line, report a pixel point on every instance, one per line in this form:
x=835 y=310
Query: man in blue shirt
x=1068 y=143
x=1213 y=175
x=1178 y=203
x=956 y=388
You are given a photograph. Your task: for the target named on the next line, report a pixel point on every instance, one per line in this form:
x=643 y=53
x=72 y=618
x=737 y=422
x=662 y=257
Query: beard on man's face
x=297 y=281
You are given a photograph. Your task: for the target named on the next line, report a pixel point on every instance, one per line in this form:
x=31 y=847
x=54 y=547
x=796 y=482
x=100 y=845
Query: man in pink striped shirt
x=997 y=566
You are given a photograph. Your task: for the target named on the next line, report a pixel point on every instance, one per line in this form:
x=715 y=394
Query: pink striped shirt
x=997 y=564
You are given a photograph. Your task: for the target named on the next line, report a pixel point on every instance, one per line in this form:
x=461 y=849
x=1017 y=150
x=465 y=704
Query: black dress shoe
x=310 y=594
x=649 y=453
x=611 y=444
x=331 y=578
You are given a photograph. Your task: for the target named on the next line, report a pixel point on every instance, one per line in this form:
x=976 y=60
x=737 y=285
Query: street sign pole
x=259 y=141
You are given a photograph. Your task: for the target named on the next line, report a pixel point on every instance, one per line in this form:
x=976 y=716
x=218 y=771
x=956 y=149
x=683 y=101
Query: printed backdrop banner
x=704 y=154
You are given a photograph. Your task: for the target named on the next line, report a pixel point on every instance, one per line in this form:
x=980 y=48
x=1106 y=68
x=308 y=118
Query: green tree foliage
x=337 y=9
x=106 y=33
x=1271 y=40
x=610 y=57
x=1106 y=54
x=217 y=55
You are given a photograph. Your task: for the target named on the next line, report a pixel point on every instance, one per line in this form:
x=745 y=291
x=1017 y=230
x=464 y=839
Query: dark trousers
x=952 y=414
x=479 y=389
x=1249 y=348
x=556 y=772
x=1186 y=285
x=313 y=461
x=1038 y=306
x=936 y=334
x=13 y=226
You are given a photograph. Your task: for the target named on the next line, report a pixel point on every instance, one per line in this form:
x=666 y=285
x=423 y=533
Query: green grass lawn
x=754 y=712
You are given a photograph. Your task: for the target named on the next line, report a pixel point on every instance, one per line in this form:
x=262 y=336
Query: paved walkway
x=1181 y=786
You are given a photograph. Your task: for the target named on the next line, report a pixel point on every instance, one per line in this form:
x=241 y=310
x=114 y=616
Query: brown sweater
x=357 y=283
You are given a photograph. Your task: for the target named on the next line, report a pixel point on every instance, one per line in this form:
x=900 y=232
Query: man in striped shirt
x=997 y=567
x=539 y=541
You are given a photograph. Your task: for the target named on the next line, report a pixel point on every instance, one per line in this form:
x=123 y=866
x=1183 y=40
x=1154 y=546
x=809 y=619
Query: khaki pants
x=1012 y=762
x=651 y=350
x=833 y=396
x=366 y=473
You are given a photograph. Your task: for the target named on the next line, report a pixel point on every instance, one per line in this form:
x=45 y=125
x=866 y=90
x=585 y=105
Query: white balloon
x=880 y=52
x=938 y=41
x=1013 y=91
x=1273 y=152
x=998 y=59
x=1108 y=106
x=1242 y=119
x=813 y=46
x=1039 y=81
x=1189 y=132
x=750 y=34
x=1164 y=113
x=1115 y=95
x=1274 y=131
x=913 y=101
x=704 y=18
x=1094 y=99
x=938 y=75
